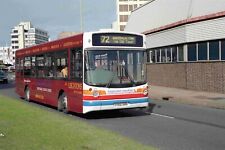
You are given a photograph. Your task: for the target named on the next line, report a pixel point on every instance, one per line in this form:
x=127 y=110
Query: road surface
x=167 y=125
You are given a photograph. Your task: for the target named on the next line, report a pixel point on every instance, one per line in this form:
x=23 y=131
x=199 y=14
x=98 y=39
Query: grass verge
x=23 y=126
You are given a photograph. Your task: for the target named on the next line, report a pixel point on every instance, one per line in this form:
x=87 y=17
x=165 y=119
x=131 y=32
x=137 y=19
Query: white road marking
x=162 y=116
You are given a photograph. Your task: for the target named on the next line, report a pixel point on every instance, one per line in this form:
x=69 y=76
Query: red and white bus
x=87 y=72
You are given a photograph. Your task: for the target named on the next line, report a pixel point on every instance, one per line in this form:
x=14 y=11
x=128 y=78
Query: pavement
x=200 y=98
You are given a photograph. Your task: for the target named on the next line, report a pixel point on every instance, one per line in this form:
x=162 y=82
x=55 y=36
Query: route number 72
x=105 y=39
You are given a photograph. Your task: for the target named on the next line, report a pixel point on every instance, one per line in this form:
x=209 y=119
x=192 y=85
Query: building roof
x=160 y=13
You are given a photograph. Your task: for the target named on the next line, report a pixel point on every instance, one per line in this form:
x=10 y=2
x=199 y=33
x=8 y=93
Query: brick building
x=185 y=43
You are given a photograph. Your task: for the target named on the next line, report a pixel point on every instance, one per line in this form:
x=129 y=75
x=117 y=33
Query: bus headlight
x=95 y=93
x=145 y=92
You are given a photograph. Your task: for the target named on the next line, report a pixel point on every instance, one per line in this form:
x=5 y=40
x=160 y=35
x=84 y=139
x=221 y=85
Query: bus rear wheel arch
x=63 y=102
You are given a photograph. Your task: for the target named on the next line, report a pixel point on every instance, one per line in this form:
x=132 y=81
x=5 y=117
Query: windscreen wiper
x=129 y=76
x=111 y=80
x=126 y=72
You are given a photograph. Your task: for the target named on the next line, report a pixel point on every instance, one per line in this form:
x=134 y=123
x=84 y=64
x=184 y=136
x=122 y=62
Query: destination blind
x=116 y=39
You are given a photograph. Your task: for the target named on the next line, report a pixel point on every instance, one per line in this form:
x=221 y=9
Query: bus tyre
x=27 y=94
x=62 y=103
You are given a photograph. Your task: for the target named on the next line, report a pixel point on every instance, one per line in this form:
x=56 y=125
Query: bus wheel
x=62 y=103
x=27 y=94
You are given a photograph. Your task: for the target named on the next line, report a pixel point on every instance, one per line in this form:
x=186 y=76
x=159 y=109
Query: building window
x=14 y=36
x=123 y=18
x=214 y=50
x=163 y=55
x=149 y=55
x=180 y=53
x=168 y=55
x=130 y=7
x=199 y=51
x=192 y=52
x=152 y=56
x=174 y=54
x=122 y=27
x=123 y=8
x=202 y=51
x=223 y=50
x=158 y=55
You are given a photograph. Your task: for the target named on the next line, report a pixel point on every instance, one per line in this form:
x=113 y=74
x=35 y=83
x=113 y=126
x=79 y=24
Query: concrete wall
x=201 y=76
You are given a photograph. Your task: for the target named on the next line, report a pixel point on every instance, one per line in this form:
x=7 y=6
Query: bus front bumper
x=96 y=105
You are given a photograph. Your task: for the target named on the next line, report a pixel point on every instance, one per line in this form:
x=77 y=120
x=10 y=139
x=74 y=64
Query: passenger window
x=49 y=64
x=62 y=64
x=40 y=62
x=27 y=66
x=19 y=67
x=76 y=72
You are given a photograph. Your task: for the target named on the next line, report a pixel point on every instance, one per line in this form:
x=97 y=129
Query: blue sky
x=55 y=16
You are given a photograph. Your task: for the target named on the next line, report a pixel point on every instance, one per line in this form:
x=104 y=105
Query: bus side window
x=49 y=65
x=40 y=62
x=61 y=64
x=27 y=66
x=19 y=67
x=33 y=66
x=76 y=64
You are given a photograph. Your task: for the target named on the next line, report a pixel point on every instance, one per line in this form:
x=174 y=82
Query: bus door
x=75 y=86
x=44 y=75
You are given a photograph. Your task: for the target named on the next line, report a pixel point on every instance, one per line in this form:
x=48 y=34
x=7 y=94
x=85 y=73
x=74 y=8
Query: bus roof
x=72 y=41
x=75 y=40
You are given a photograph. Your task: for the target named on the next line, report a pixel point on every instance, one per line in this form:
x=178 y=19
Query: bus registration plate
x=121 y=104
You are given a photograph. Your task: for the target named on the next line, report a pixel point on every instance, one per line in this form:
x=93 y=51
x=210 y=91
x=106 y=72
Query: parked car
x=3 y=77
